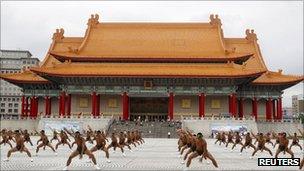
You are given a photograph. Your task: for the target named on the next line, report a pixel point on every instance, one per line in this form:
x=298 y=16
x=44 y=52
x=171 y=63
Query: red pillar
x=93 y=111
x=255 y=108
x=36 y=106
x=26 y=106
x=62 y=104
x=171 y=106
x=125 y=107
x=46 y=105
x=31 y=107
x=97 y=105
x=241 y=107
x=22 y=106
x=274 y=113
x=201 y=101
x=232 y=104
x=69 y=98
x=268 y=109
x=279 y=109
x=50 y=106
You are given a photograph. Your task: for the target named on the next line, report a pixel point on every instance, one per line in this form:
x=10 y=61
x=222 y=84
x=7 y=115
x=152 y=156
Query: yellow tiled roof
x=147 y=69
x=152 y=40
x=29 y=77
x=171 y=41
x=24 y=77
x=60 y=45
x=271 y=77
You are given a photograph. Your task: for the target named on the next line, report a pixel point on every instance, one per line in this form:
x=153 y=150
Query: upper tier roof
x=152 y=42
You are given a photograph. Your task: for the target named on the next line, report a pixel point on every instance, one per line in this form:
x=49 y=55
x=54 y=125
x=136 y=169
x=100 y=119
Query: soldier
x=261 y=145
x=100 y=144
x=133 y=136
x=19 y=146
x=10 y=135
x=55 y=135
x=104 y=136
x=201 y=150
x=129 y=139
x=26 y=136
x=188 y=142
x=81 y=149
x=238 y=140
x=63 y=139
x=268 y=139
x=122 y=140
x=44 y=142
x=88 y=136
x=277 y=138
x=217 y=137
x=302 y=163
x=283 y=146
x=5 y=138
x=256 y=137
x=138 y=137
x=115 y=144
x=223 y=138
x=192 y=147
x=248 y=142
x=229 y=138
x=295 y=141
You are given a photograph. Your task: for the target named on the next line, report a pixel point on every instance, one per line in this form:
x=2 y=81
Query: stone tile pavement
x=155 y=154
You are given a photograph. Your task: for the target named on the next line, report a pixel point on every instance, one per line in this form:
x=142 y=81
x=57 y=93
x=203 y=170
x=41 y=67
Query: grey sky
x=278 y=25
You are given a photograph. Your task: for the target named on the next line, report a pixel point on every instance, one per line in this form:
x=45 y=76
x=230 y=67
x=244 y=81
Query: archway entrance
x=151 y=108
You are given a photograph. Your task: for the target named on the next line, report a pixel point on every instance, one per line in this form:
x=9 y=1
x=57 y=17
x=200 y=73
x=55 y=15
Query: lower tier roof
x=24 y=77
x=229 y=70
x=276 y=78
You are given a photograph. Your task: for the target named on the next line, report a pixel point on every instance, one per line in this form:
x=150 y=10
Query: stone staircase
x=148 y=129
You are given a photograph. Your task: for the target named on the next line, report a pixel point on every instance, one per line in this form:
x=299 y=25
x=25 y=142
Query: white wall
x=204 y=126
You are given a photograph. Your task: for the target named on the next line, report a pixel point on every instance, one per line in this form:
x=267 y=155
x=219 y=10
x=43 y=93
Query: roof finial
x=58 y=35
x=93 y=20
x=250 y=35
x=215 y=20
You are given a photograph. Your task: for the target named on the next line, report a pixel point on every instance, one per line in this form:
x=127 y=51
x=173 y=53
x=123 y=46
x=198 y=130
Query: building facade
x=13 y=61
x=297 y=104
x=153 y=70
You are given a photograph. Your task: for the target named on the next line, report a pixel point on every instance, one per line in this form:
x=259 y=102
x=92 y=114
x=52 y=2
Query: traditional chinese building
x=153 y=70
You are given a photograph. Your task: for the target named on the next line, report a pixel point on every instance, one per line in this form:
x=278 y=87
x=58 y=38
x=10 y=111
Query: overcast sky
x=278 y=25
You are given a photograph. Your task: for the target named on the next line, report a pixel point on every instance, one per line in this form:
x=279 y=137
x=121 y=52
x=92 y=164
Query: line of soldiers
x=124 y=139
x=196 y=145
x=281 y=139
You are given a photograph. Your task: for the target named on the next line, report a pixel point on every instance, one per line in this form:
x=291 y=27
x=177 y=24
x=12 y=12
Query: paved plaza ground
x=155 y=154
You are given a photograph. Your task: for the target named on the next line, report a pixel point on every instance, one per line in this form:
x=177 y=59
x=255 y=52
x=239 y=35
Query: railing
x=292 y=120
x=19 y=117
